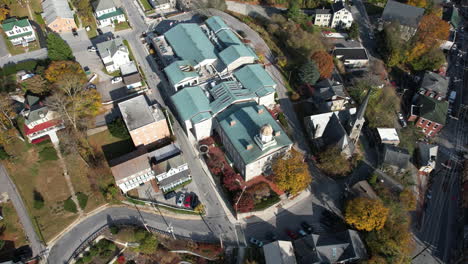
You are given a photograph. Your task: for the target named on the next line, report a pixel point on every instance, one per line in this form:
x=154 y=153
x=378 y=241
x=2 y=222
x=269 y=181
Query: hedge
x=70 y=206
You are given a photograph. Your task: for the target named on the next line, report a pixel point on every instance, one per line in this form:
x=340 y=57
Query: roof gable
x=215 y=23
x=190 y=103
x=10 y=23
x=254 y=77
x=100 y=5
x=179 y=71
x=402 y=13
x=435 y=82
x=234 y=52
x=432 y=109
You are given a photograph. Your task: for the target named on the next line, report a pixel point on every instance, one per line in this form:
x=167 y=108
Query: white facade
x=20 y=35
x=267 y=100
x=186 y=83
x=202 y=129
x=109 y=21
x=163 y=6
x=135 y=180
x=119 y=58
x=322 y=20
x=241 y=61
x=134 y=85
x=342 y=18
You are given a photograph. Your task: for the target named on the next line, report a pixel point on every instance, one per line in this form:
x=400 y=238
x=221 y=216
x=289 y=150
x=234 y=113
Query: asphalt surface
x=39 y=54
x=6 y=185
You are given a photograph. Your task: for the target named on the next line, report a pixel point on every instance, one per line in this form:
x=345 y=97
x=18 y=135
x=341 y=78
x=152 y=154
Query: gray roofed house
x=352 y=57
x=136 y=113
x=279 y=252
x=322 y=11
x=427 y=157
x=35 y=109
x=395 y=157
x=330 y=96
x=100 y=5
x=364 y=189
x=406 y=16
x=110 y=47
x=343 y=247
x=54 y=12
x=436 y=84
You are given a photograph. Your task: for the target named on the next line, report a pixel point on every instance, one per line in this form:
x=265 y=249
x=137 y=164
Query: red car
x=291 y=234
x=188 y=201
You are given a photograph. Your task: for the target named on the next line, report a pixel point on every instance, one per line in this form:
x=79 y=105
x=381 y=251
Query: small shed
x=388 y=136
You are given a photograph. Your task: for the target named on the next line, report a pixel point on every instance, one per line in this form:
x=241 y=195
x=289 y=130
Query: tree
x=376 y=259
x=7 y=125
x=353 y=31
x=232 y=181
x=4 y=12
x=294 y=11
x=60 y=70
x=393 y=46
x=38 y=200
x=36 y=84
x=431 y=60
x=118 y=129
x=408 y=199
x=244 y=203
x=418 y=3
x=70 y=206
x=291 y=174
x=333 y=162
x=324 y=62
x=366 y=214
x=58 y=49
x=308 y=73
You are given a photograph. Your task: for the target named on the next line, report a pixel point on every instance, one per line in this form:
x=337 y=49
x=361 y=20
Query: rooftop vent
x=186 y=68
x=260 y=111
x=277 y=133
x=249 y=147
x=232 y=123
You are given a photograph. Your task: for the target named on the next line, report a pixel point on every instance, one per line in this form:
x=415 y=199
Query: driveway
x=39 y=54
x=6 y=185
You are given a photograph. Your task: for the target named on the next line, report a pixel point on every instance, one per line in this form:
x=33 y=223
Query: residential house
x=181 y=73
x=323 y=17
x=406 y=16
x=107 y=13
x=132 y=81
x=329 y=96
x=342 y=16
x=279 y=252
x=251 y=137
x=132 y=169
x=427 y=157
x=58 y=16
x=429 y=114
x=434 y=85
x=40 y=123
x=145 y=123
x=169 y=167
x=352 y=57
x=128 y=68
x=19 y=31
x=161 y=5
x=342 y=247
x=396 y=158
x=114 y=54
x=388 y=136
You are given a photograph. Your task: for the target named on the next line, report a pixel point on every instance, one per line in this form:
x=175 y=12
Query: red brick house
x=429 y=114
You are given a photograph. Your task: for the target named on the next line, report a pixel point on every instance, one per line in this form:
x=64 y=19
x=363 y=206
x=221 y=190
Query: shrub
x=38 y=200
x=70 y=206
x=114 y=230
x=87 y=258
x=48 y=153
x=79 y=261
x=118 y=129
x=282 y=120
x=94 y=251
x=82 y=200
x=2 y=244
x=3 y=154
x=28 y=65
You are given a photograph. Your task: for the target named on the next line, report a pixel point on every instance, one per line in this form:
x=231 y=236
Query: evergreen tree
x=58 y=49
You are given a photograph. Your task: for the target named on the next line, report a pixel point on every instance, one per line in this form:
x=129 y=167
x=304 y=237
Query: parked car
x=188 y=201
x=452 y=97
x=402 y=120
x=75 y=33
x=302 y=233
x=169 y=195
x=180 y=200
x=92 y=49
x=194 y=202
x=307 y=227
x=99 y=31
x=116 y=80
x=87 y=70
x=256 y=242
x=291 y=234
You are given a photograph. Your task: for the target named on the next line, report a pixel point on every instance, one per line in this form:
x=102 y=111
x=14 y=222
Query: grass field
x=146 y=5
x=122 y=26
x=18 y=49
x=32 y=173
x=17 y=10
x=112 y=147
x=11 y=230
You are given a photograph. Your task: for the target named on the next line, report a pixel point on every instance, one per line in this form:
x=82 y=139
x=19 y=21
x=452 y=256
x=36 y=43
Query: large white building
x=19 y=32
x=339 y=16
x=107 y=13
x=114 y=54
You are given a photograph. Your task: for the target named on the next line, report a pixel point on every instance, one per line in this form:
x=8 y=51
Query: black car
x=99 y=31
x=307 y=227
x=169 y=195
x=75 y=33
x=194 y=201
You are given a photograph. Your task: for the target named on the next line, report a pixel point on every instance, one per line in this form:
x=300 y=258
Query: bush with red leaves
x=232 y=181
x=121 y=259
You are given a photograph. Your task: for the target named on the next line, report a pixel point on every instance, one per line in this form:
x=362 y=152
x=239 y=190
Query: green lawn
x=39 y=19
x=11 y=228
x=18 y=49
x=146 y=5
x=36 y=5
x=17 y=10
x=129 y=49
x=122 y=26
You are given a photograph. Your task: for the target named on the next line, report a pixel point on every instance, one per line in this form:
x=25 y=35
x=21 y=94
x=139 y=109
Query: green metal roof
x=117 y=12
x=20 y=35
x=248 y=122
x=227 y=38
x=455 y=18
x=215 y=23
x=432 y=109
x=256 y=79
x=8 y=24
x=176 y=74
x=190 y=43
x=191 y=103
x=234 y=52
x=228 y=93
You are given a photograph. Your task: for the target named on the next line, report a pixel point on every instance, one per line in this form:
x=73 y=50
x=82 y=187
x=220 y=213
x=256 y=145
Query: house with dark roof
x=395 y=157
x=330 y=95
x=279 y=252
x=169 y=167
x=58 y=15
x=429 y=114
x=322 y=17
x=40 y=123
x=407 y=17
x=342 y=16
x=19 y=31
x=107 y=13
x=132 y=81
x=132 y=169
x=427 y=157
x=434 y=85
x=352 y=57
x=113 y=53
x=342 y=247
x=363 y=189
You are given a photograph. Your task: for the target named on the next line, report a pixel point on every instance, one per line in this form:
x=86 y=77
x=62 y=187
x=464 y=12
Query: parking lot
x=148 y=192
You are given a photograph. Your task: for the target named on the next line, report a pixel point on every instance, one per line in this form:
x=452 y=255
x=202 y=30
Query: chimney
x=277 y=133
x=232 y=123
x=249 y=147
x=260 y=111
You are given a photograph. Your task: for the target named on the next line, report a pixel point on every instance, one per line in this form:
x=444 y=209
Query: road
x=6 y=185
x=39 y=54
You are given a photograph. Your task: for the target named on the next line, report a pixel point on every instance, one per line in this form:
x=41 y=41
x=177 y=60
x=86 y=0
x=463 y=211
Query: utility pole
x=170 y=229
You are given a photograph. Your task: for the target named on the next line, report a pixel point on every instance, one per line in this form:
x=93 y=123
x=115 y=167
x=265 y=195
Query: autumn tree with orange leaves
x=366 y=214
x=61 y=70
x=4 y=12
x=291 y=173
x=324 y=63
x=418 y=3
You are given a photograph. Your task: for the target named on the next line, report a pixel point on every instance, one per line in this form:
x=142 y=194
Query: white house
x=322 y=17
x=19 y=31
x=161 y=5
x=352 y=57
x=114 y=54
x=342 y=16
x=107 y=13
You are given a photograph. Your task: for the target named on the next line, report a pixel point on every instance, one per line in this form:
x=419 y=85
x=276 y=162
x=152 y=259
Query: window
x=429 y=123
x=436 y=126
x=424 y=130
x=422 y=120
x=430 y=133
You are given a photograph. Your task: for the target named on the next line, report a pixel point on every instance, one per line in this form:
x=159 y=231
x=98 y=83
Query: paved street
x=39 y=54
x=6 y=185
x=3 y=48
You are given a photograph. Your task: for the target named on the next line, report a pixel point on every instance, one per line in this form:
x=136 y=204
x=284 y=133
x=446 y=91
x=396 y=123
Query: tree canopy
x=292 y=174
x=58 y=49
x=408 y=199
x=353 y=31
x=333 y=163
x=60 y=70
x=4 y=12
x=308 y=73
x=366 y=214
x=36 y=84
x=324 y=63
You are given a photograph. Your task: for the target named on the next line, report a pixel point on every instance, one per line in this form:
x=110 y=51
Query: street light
x=240 y=196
